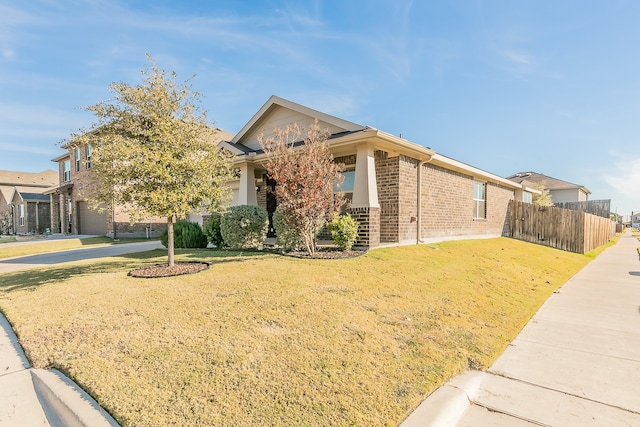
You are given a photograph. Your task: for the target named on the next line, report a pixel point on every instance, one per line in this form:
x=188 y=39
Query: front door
x=272 y=204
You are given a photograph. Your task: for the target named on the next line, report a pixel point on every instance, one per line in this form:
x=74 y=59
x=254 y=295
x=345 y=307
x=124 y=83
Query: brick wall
x=388 y=181
x=83 y=185
x=368 y=226
x=448 y=209
x=408 y=199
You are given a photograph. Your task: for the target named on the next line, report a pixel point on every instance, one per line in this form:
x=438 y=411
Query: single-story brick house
x=24 y=204
x=400 y=192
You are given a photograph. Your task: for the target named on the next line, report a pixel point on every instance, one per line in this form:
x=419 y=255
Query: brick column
x=368 y=226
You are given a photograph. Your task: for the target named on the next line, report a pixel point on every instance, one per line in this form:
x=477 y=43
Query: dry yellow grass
x=265 y=340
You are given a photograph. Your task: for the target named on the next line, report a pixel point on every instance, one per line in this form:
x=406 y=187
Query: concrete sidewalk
x=576 y=363
x=38 y=397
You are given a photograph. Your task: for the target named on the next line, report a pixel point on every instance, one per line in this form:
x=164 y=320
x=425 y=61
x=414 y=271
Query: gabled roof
x=535 y=178
x=275 y=102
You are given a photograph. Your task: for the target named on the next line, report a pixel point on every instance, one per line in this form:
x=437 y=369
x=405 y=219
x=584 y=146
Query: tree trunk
x=170 y=249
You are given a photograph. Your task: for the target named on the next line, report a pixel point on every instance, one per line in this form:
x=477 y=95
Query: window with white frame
x=527 y=197
x=21 y=214
x=77 y=160
x=479 y=200
x=66 y=171
x=89 y=156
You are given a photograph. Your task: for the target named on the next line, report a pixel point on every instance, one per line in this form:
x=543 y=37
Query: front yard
x=263 y=340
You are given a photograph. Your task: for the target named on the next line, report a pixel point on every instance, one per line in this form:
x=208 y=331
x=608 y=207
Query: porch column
x=365 y=208
x=247 y=190
x=365 y=187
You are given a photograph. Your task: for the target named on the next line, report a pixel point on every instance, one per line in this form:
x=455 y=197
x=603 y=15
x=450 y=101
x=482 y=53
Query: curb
x=43 y=393
x=447 y=404
x=66 y=404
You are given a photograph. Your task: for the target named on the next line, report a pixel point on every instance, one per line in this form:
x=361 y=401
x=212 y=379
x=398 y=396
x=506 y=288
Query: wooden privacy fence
x=564 y=229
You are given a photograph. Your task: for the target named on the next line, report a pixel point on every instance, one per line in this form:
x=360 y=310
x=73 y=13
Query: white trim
x=275 y=101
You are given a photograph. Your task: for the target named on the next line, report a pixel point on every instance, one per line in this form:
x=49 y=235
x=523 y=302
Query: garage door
x=90 y=221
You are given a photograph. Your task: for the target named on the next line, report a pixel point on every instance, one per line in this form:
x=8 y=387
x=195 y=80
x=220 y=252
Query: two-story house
x=71 y=211
x=561 y=191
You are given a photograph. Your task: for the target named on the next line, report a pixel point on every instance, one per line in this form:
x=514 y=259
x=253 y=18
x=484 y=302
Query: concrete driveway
x=8 y=265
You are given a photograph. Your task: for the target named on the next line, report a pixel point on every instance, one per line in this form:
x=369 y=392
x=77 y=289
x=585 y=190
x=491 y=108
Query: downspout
x=419 y=202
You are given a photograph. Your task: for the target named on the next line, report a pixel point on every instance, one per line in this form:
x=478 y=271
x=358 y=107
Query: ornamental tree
x=300 y=162
x=154 y=153
x=544 y=198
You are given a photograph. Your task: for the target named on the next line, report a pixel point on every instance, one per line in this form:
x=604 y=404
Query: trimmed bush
x=286 y=236
x=344 y=231
x=186 y=235
x=212 y=230
x=244 y=226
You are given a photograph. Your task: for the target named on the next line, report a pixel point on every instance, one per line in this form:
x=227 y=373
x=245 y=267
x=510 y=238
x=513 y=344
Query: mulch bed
x=180 y=268
x=326 y=254
x=163 y=270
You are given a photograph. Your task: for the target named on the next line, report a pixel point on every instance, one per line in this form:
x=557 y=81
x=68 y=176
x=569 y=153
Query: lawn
x=265 y=340
x=44 y=245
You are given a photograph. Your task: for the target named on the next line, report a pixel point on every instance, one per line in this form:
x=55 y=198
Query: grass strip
x=260 y=339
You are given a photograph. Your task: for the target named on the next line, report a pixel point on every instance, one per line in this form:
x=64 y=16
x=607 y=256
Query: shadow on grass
x=21 y=280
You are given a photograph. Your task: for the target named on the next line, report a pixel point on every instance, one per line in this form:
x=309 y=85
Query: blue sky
x=507 y=86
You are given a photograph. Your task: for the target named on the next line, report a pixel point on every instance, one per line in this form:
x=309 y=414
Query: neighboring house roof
x=28 y=182
x=535 y=178
x=7 y=191
x=43 y=179
x=33 y=197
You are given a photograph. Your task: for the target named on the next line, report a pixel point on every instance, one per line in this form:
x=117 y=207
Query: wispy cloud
x=624 y=179
x=17 y=148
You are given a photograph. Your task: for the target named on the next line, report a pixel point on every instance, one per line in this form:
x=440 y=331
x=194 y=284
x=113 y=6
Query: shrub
x=185 y=235
x=344 y=231
x=244 y=226
x=212 y=230
x=286 y=236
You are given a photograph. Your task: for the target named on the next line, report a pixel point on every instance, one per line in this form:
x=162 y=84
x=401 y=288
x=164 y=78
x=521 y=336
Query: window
x=21 y=215
x=346 y=187
x=66 y=168
x=77 y=160
x=527 y=197
x=479 y=200
x=89 y=156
